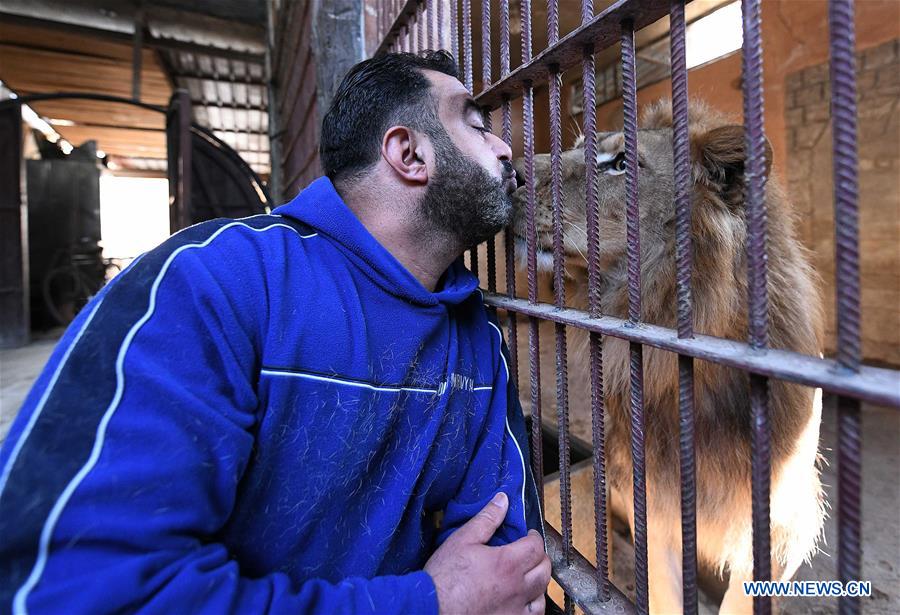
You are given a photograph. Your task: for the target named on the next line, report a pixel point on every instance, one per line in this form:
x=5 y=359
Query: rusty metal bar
x=485 y=44
x=486 y=82
x=562 y=386
x=872 y=384
x=467 y=44
x=577 y=580
x=758 y=304
x=454 y=28
x=442 y=43
x=402 y=19
x=598 y=427
x=525 y=10
x=846 y=222
x=508 y=238
x=534 y=340
x=683 y=256
x=533 y=332
x=429 y=24
x=629 y=99
x=601 y=32
x=504 y=38
x=420 y=26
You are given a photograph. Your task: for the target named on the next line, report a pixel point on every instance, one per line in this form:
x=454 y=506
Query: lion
x=721 y=394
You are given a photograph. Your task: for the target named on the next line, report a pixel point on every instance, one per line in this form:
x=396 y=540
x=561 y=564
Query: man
x=266 y=415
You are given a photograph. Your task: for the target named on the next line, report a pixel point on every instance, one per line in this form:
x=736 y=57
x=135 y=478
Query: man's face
x=469 y=191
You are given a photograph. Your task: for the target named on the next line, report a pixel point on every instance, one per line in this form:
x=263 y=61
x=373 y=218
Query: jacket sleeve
x=500 y=460
x=125 y=460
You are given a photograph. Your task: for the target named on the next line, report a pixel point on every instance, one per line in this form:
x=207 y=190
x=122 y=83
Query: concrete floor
x=881 y=493
x=881 y=522
x=19 y=367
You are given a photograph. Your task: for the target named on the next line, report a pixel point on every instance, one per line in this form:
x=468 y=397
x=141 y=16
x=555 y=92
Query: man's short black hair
x=376 y=94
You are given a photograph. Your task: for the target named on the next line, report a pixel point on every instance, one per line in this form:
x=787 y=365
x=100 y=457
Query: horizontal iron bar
x=579 y=580
x=404 y=18
x=872 y=384
x=601 y=32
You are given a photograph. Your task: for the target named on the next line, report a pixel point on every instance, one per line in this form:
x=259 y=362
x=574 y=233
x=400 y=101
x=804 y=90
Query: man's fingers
x=482 y=526
x=537 y=579
x=527 y=552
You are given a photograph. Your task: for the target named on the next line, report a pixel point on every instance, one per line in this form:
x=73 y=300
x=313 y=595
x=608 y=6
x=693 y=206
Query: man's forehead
x=448 y=90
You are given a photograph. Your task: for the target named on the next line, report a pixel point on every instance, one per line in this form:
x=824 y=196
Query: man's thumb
x=482 y=526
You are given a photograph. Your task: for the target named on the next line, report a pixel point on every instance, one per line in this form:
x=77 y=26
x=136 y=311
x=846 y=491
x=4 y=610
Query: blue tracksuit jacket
x=261 y=416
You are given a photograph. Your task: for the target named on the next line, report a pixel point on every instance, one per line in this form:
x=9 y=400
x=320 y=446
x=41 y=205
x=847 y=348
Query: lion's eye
x=615 y=165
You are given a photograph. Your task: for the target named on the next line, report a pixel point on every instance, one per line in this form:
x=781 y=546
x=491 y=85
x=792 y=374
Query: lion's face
x=655 y=198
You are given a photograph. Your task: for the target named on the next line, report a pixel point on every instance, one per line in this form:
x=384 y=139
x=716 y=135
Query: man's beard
x=463 y=200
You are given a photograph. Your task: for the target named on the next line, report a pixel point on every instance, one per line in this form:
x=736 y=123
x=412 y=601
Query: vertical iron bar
x=530 y=240
x=441 y=30
x=508 y=239
x=429 y=24
x=467 y=76
x=504 y=38
x=629 y=99
x=420 y=26
x=849 y=553
x=598 y=427
x=485 y=83
x=562 y=384
x=846 y=220
x=754 y=173
x=683 y=256
x=412 y=24
x=485 y=44
x=533 y=331
x=525 y=10
x=454 y=30
x=555 y=84
x=492 y=264
x=467 y=43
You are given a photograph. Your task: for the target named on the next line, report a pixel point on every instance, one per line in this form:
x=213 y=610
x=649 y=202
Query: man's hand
x=472 y=577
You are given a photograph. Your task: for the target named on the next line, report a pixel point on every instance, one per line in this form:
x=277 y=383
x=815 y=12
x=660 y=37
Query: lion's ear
x=719 y=157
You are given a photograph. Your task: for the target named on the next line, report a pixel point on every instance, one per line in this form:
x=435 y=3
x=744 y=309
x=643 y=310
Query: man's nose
x=503 y=150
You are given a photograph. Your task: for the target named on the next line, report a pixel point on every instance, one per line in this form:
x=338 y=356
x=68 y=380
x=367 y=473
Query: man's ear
x=404 y=150
x=719 y=157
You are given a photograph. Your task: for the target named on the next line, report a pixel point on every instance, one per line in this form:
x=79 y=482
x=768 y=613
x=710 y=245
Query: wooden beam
x=126 y=38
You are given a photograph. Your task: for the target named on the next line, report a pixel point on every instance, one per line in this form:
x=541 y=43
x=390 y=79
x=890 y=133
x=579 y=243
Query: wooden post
x=15 y=324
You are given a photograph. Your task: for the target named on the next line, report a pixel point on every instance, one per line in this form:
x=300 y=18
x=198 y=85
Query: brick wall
x=809 y=173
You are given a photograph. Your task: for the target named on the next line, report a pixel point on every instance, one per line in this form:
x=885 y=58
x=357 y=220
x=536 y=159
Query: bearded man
x=267 y=415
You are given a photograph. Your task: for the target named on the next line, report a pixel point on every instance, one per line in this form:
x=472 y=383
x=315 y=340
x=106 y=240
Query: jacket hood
x=321 y=207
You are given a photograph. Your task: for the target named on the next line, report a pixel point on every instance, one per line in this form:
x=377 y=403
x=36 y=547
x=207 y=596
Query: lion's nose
x=519 y=166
